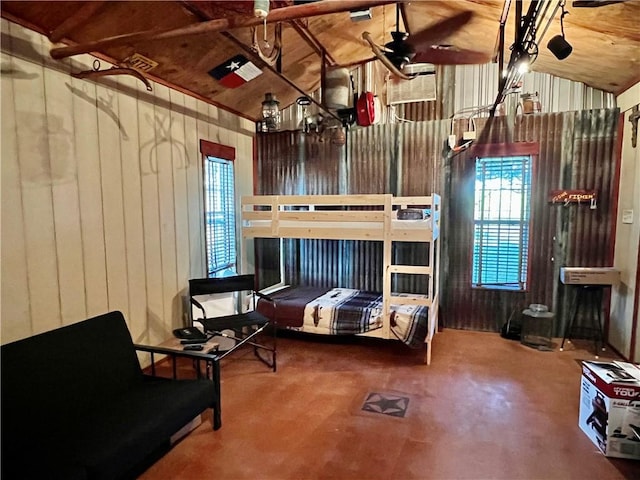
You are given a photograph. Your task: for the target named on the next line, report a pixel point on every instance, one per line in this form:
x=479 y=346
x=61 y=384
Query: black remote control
x=194 y=341
x=195 y=348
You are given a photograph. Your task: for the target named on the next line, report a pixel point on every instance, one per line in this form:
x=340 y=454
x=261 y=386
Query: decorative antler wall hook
x=272 y=57
x=96 y=72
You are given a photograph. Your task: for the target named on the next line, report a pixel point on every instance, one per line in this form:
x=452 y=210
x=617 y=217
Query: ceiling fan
x=425 y=46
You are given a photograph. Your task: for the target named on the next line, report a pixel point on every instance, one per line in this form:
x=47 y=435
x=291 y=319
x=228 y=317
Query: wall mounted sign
x=566 y=197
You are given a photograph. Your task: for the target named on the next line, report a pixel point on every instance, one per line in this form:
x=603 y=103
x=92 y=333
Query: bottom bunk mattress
x=344 y=311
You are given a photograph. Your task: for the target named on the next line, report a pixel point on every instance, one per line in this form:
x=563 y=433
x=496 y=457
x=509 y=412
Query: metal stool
x=589 y=296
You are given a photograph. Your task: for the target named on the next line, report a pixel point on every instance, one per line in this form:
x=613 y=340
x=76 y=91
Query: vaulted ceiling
x=186 y=40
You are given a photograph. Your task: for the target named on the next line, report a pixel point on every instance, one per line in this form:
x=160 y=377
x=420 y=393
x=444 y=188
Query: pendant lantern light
x=270 y=114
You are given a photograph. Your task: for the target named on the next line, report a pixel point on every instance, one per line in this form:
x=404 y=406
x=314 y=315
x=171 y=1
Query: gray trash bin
x=537 y=327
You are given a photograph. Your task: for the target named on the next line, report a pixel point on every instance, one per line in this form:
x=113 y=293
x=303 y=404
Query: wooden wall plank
x=164 y=155
x=84 y=105
x=244 y=183
x=151 y=219
x=194 y=188
x=35 y=181
x=15 y=308
x=202 y=128
x=112 y=199
x=64 y=184
x=181 y=203
x=132 y=198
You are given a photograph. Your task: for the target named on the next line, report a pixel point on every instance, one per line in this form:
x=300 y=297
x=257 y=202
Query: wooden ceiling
x=605 y=40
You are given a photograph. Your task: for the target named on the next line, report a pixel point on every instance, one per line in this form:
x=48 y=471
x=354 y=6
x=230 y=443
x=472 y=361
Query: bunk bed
x=409 y=317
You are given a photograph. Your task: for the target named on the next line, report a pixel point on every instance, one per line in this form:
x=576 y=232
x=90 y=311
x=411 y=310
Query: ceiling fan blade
x=438 y=31
x=449 y=55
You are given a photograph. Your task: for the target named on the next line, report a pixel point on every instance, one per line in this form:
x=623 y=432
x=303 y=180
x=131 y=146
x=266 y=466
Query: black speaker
x=559 y=47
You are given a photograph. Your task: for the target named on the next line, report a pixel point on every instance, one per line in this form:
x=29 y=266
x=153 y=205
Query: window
x=220 y=216
x=501 y=222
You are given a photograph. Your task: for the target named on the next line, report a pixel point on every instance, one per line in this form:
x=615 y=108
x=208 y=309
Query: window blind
x=501 y=222
x=220 y=225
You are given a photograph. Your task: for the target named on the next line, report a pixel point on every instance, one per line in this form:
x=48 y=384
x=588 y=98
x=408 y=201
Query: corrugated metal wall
x=577 y=150
x=406 y=155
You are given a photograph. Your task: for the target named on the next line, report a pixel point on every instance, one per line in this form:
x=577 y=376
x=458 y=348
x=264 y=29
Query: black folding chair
x=242 y=327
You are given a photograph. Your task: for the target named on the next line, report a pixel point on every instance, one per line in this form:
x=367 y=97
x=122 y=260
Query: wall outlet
x=627 y=216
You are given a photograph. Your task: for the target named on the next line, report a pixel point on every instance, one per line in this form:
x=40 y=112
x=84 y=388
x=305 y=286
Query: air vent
x=140 y=63
x=420 y=89
x=419 y=69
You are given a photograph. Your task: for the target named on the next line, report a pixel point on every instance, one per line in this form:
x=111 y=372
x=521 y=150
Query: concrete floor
x=486 y=408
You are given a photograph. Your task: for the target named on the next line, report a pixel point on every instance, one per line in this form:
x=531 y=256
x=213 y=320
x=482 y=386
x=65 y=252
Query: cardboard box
x=589 y=275
x=610 y=407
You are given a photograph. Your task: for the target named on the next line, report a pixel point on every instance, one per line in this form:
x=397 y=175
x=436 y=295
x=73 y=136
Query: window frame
x=211 y=152
x=519 y=149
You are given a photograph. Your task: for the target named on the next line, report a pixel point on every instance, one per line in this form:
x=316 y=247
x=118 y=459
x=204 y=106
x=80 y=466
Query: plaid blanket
x=410 y=323
x=343 y=311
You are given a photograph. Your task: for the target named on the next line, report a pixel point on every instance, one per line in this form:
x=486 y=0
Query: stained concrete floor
x=486 y=408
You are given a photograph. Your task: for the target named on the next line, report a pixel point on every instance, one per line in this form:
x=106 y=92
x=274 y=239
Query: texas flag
x=235 y=72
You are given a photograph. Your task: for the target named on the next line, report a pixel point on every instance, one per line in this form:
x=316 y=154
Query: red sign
x=573 y=196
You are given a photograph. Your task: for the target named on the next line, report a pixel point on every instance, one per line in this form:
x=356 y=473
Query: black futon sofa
x=77 y=405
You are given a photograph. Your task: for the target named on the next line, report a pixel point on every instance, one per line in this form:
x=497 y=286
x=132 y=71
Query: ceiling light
x=523 y=62
x=560 y=47
x=270 y=113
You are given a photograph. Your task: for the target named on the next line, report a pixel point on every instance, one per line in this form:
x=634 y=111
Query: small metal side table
x=588 y=298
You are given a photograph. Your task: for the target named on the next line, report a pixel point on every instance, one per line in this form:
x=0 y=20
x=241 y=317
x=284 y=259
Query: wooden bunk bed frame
x=357 y=217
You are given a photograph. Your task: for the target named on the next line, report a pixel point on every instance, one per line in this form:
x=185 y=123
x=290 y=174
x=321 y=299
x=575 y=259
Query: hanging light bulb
x=523 y=63
x=261 y=8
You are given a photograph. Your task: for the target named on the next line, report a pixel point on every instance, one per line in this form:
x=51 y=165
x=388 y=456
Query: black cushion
x=130 y=428
x=57 y=375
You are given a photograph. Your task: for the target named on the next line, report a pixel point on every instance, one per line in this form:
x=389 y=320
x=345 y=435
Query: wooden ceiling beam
x=83 y=14
x=323 y=7
x=313 y=42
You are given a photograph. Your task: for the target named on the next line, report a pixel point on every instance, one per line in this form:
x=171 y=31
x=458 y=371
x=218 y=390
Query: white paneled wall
x=101 y=193
x=624 y=329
